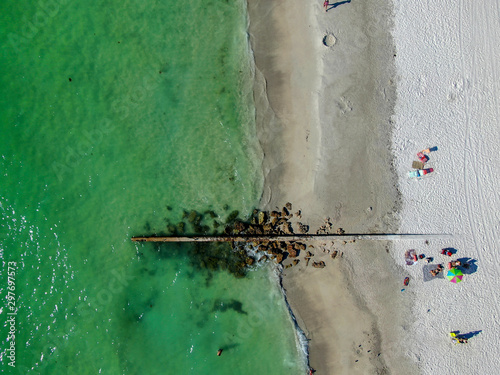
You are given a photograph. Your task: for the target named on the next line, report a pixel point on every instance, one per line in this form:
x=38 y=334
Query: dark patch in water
x=218 y=256
x=170 y=250
x=148 y=271
x=232 y=217
x=232 y=304
x=208 y=279
x=135 y=311
x=210 y=257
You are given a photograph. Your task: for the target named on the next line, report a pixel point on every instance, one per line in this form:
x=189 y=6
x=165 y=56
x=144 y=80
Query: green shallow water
x=115 y=117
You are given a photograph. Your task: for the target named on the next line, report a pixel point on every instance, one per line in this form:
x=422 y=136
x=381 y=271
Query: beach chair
x=422 y=157
x=454 y=337
x=420 y=172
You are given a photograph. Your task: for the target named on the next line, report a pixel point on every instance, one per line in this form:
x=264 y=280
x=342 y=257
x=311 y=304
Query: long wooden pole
x=293 y=237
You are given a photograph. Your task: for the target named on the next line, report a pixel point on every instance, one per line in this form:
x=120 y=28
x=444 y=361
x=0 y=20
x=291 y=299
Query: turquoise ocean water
x=116 y=117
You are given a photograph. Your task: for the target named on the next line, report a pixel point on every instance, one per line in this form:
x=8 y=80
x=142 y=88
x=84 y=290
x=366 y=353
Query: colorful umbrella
x=455 y=275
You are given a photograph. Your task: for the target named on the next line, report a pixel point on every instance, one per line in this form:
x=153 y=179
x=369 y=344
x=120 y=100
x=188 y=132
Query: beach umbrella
x=455 y=275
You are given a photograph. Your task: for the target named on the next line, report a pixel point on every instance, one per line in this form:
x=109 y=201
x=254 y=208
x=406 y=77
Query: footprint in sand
x=344 y=105
x=360 y=41
x=458 y=88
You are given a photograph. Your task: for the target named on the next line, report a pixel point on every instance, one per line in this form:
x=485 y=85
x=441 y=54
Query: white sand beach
x=448 y=64
x=340 y=127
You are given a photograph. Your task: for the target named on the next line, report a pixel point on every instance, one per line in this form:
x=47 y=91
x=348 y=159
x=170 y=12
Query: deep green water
x=115 y=117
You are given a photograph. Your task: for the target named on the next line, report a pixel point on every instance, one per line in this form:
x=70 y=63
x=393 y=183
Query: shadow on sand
x=331 y=6
x=467 y=335
x=469 y=265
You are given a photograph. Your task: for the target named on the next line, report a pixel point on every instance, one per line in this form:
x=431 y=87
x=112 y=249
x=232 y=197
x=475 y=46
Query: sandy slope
x=448 y=61
x=323 y=118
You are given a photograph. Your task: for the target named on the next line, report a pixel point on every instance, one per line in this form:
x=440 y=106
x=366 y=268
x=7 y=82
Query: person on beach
x=436 y=271
x=327 y=4
x=458 y=339
x=446 y=252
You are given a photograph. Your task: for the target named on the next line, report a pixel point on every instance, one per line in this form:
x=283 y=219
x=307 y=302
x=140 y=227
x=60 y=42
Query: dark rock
x=193 y=215
x=232 y=216
x=181 y=226
x=261 y=217
x=303 y=228
x=282 y=221
x=212 y=214
x=300 y=246
x=287 y=228
x=239 y=226
x=267 y=228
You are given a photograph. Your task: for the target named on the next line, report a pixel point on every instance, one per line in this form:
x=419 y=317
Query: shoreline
x=322 y=116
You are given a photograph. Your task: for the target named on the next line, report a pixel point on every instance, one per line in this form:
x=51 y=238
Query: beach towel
x=418 y=165
x=410 y=257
